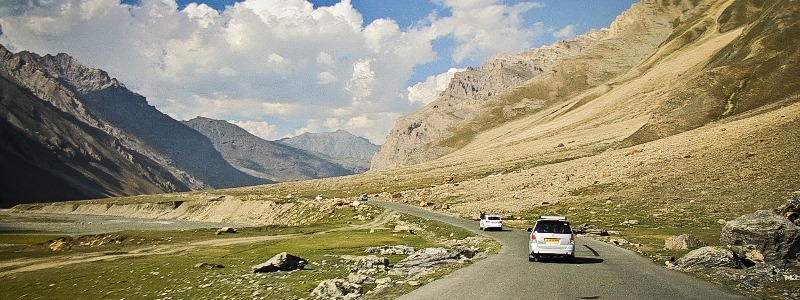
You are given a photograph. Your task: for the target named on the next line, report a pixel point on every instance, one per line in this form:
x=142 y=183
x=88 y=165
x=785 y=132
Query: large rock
x=281 y=262
x=772 y=235
x=423 y=260
x=337 y=289
x=683 y=242
x=705 y=258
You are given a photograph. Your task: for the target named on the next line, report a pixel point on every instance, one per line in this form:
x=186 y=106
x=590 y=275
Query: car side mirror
x=529 y=229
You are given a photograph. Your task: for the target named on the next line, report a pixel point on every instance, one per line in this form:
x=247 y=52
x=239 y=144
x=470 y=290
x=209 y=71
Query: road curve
x=600 y=271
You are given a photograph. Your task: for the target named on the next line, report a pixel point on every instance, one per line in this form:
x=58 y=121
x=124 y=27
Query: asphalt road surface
x=600 y=271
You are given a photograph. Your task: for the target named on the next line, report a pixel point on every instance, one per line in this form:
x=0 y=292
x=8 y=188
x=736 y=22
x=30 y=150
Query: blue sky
x=283 y=67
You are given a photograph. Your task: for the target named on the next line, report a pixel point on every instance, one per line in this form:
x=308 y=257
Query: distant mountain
x=264 y=159
x=72 y=132
x=347 y=149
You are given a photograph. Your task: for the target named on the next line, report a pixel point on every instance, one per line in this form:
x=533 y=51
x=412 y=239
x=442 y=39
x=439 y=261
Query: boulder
x=423 y=260
x=683 y=242
x=226 y=230
x=772 y=235
x=337 y=289
x=281 y=262
x=705 y=258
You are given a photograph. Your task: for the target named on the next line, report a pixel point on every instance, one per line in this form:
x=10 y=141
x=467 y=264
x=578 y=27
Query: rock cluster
x=374 y=269
x=765 y=244
x=93 y=240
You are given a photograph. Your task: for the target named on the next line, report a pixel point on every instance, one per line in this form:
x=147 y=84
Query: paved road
x=600 y=271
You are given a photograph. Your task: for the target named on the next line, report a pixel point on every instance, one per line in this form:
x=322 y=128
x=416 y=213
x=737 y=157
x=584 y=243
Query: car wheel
x=571 y=259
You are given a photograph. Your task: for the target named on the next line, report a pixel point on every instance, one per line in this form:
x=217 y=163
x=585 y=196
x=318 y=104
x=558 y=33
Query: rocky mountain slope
x=91 y=137
x=350 y=151
x=592 y=65
x=264 y=159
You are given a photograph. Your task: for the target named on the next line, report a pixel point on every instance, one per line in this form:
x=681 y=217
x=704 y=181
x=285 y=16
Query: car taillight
x=572 y=239
x=533 y=235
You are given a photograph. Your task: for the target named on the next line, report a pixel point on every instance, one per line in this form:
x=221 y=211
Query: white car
x=488 y=222
x=551 y=236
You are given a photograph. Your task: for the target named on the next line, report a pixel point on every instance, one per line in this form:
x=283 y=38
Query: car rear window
x=494 y=218
x=552 y=227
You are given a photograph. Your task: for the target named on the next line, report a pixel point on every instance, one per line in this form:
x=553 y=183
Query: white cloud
x=426 y=92
x=281 y=61
x=485 y=27
x=263 y=130
x=567 y=32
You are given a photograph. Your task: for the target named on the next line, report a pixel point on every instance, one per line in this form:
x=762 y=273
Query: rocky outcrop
x=765 y=244
x=281 y=262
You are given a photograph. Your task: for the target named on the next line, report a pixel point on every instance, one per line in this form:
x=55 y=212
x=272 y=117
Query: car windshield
x=552 y=227
x=496 y=218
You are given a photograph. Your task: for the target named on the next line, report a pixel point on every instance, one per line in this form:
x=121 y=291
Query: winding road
x=600 y=271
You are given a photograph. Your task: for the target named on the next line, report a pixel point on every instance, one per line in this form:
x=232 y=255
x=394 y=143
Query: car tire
x=571 y=259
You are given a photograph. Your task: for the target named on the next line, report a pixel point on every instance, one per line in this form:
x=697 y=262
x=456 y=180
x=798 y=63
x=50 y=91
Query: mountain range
x=71 y=132
x=307 y=156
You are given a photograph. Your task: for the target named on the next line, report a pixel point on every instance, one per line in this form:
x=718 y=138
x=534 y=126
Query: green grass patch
x=174 y=276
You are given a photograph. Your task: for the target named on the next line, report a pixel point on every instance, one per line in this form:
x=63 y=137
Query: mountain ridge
x=261 y=158
x=350 y=151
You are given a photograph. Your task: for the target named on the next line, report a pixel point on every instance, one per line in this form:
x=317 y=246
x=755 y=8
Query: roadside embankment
x=223 y=209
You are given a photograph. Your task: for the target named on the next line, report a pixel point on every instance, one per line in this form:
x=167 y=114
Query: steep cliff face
x=94 y=138
x=484 y=97
x=264 y=159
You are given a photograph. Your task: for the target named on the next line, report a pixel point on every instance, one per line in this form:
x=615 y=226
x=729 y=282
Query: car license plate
x=552 y=240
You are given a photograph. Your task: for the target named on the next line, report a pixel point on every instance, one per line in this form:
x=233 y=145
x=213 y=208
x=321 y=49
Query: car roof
x=552 y=218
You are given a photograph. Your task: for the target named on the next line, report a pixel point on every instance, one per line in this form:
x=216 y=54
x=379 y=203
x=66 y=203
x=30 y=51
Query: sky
x=279 y=68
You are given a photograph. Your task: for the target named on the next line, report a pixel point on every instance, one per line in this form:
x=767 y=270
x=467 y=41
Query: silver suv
x=551 y=236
